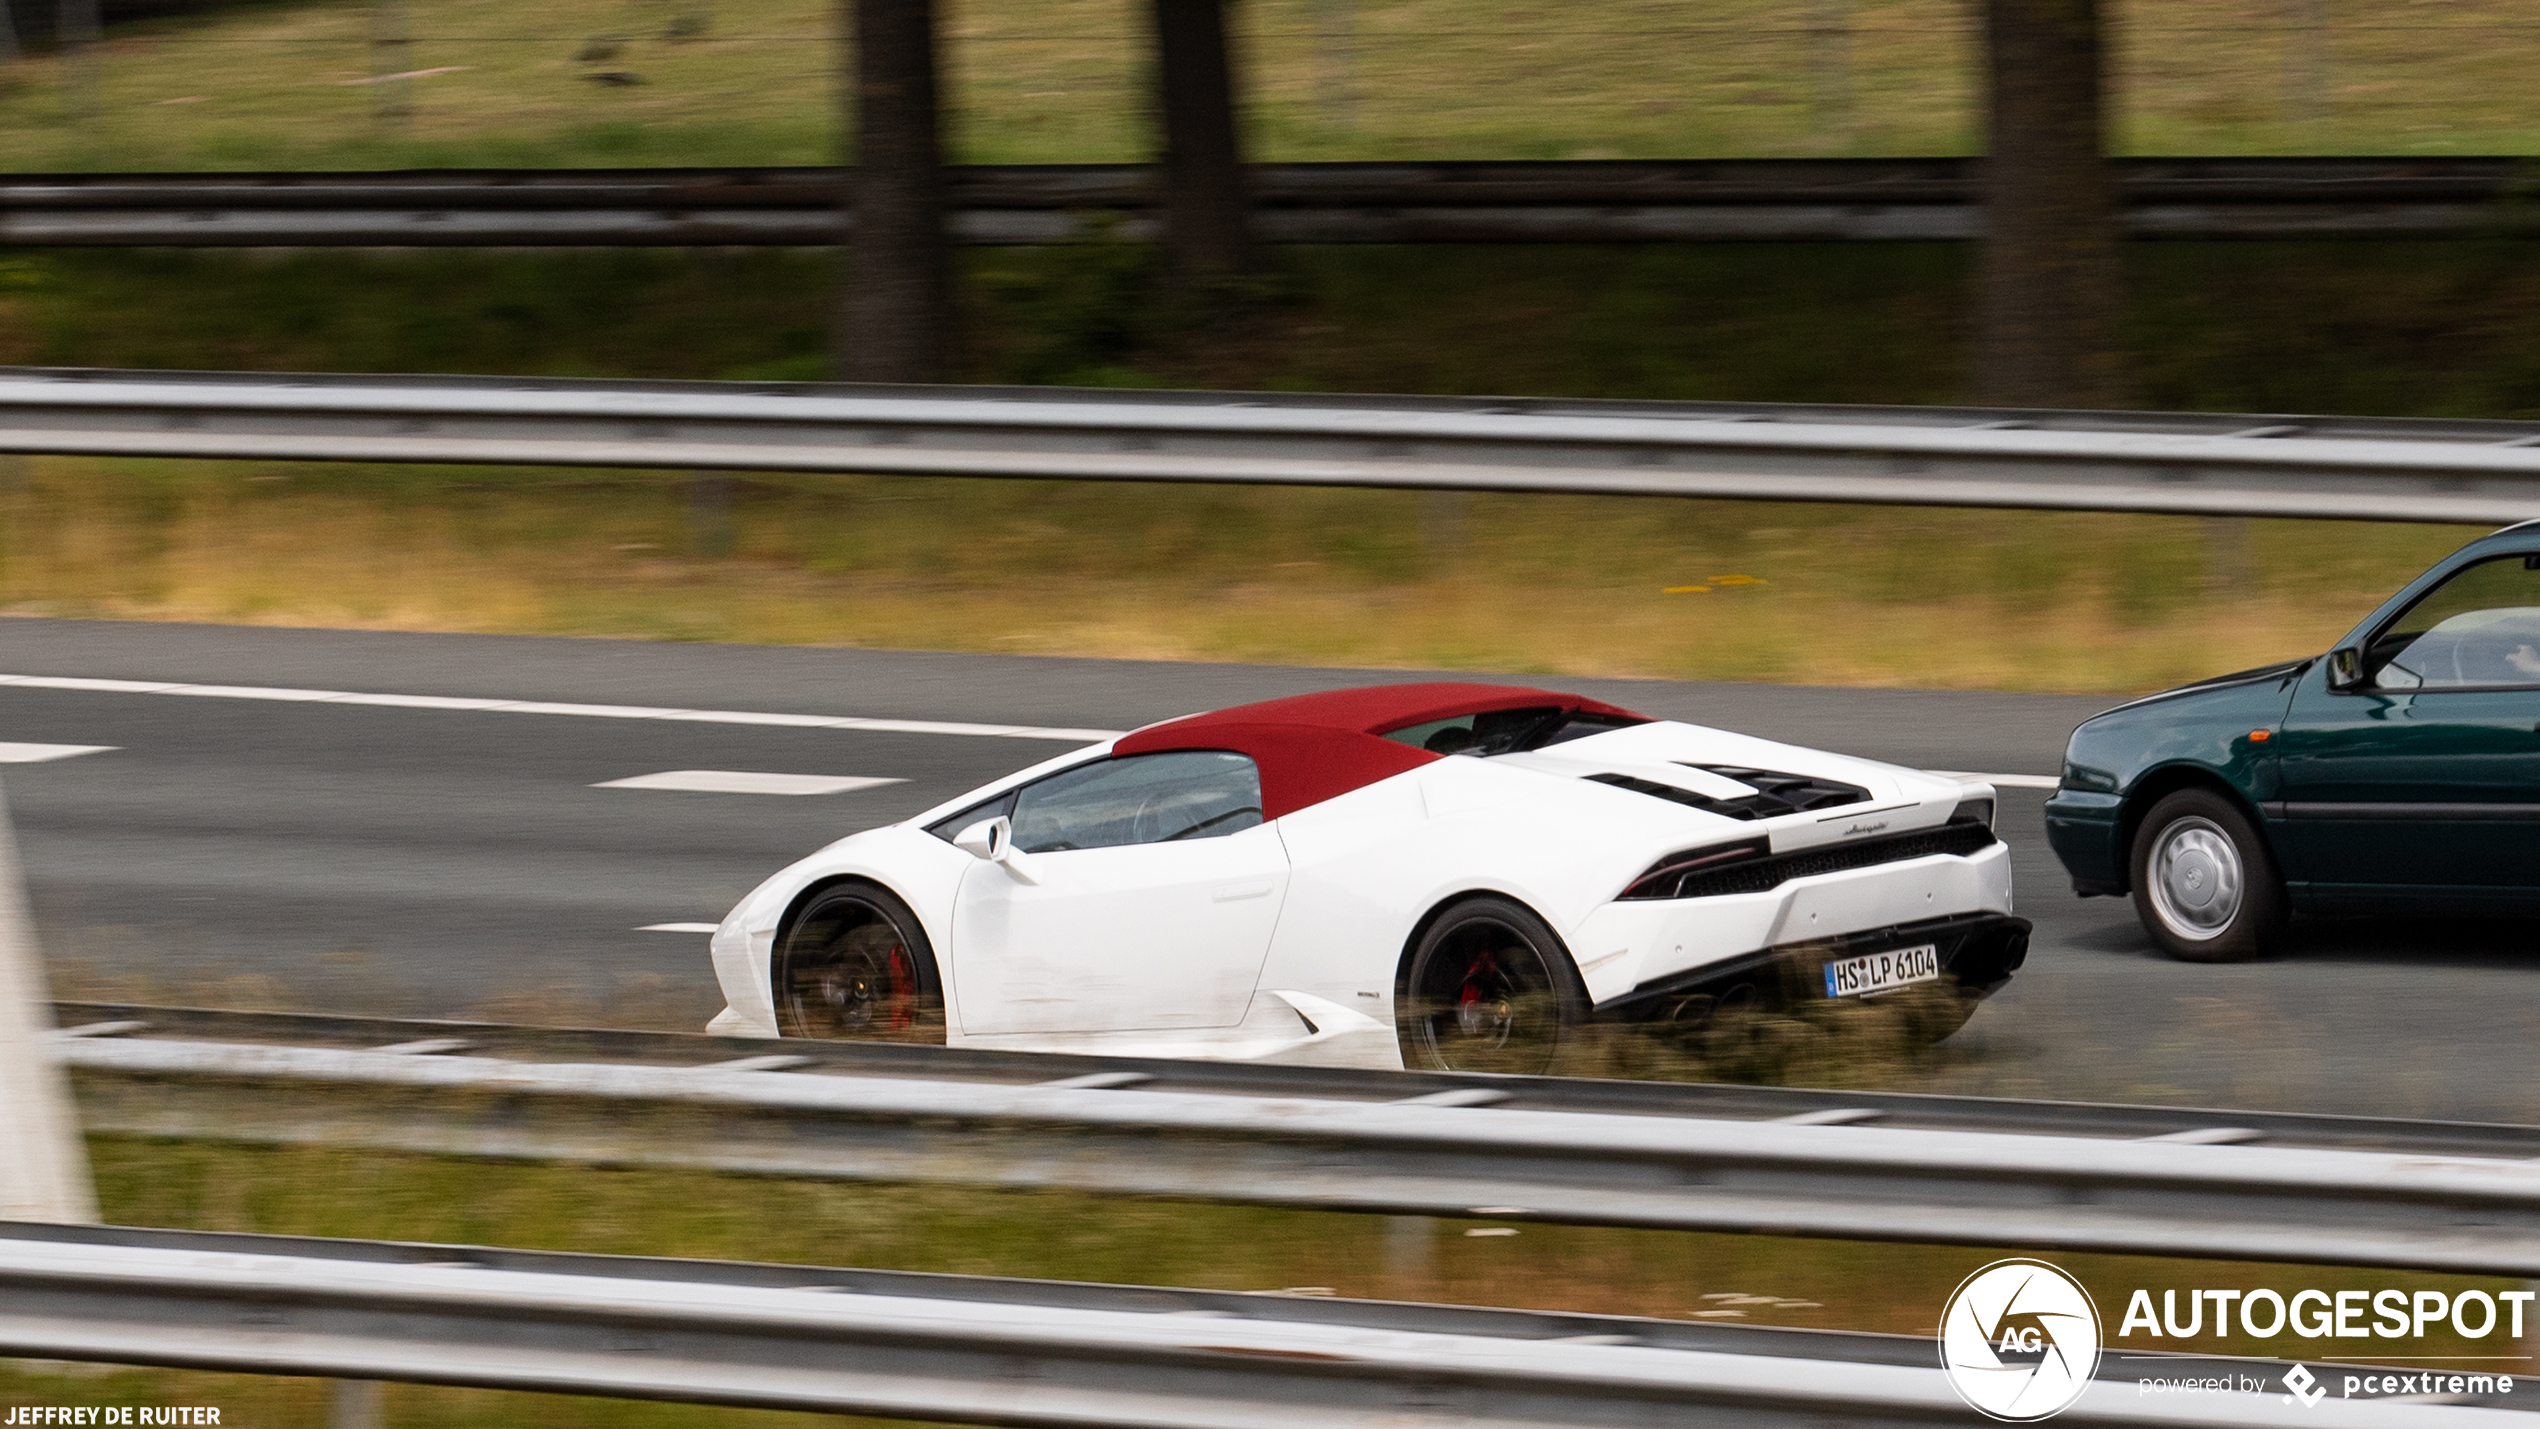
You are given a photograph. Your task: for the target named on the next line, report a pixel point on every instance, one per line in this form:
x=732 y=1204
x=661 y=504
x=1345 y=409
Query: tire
x=1488 y=988
x=2205 y=884
x=856 y=965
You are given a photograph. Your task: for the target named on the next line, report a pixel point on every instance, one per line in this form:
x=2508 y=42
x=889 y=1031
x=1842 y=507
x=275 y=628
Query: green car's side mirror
x=2345 y=668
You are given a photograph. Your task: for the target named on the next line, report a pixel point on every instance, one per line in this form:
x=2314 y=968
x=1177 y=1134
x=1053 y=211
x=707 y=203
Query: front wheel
x=857 y=965
x=2205 y=883
x=1488 y=988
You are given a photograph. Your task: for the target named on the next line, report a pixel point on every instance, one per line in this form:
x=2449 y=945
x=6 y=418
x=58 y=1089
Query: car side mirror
x=991 y=839
x=2345 y=668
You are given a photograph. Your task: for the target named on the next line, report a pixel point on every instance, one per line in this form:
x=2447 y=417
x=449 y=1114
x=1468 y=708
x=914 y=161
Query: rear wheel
x=2205 y=883
x=1488 y=988
x=856 y=964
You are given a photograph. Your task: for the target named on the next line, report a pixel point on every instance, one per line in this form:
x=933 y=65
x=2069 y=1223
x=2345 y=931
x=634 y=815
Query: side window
x=1139 y=799
x=2481 y=627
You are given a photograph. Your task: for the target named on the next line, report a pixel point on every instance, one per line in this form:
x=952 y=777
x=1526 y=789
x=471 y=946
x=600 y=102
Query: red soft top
x=1310 y=748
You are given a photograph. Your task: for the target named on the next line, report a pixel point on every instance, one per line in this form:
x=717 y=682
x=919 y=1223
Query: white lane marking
x=2003 y=781
x=676 y=928
x=744 y=781
x=683 y=716
x=38 y=753
x=552 y=707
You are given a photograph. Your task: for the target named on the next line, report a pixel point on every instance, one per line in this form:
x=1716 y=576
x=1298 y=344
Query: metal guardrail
x=1488 y=202
x=1012 y=1352
x=1708 y=1100
x=1450 y=1147
x=2471 y=472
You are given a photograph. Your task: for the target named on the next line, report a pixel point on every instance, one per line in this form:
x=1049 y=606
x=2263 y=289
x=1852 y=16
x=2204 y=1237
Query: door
x=2427 y=776
x=1144 y=898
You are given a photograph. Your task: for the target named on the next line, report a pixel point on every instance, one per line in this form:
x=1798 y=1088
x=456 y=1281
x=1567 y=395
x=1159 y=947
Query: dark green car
x=2399 y=772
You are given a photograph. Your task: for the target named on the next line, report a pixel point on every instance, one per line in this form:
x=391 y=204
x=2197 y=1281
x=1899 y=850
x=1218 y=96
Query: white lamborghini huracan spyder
x=1433 y=875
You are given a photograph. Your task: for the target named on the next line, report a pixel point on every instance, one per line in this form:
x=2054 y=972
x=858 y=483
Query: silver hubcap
x=2196 y=879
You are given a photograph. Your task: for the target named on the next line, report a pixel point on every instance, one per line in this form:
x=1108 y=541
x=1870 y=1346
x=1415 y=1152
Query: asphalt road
x=433 y=861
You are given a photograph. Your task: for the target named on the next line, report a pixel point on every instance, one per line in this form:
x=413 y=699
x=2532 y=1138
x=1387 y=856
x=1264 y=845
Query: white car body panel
x=1283 y=942
x=1162 y=935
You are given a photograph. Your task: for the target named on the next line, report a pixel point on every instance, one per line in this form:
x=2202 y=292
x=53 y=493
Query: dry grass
x=1552 y=585
x=752 y=82
x=635 y=1002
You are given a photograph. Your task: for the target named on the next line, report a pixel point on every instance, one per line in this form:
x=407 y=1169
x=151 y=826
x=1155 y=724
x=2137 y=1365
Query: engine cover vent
x=1775 y=793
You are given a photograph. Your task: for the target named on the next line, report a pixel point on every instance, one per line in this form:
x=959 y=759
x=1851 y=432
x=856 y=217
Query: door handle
x=1237 y=892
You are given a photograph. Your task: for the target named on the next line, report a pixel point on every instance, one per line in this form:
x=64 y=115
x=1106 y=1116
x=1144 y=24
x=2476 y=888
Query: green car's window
x=1139 y=799
x=2479 y=628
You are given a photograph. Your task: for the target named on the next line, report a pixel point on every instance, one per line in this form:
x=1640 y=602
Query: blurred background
x=248 y=84
x=2044 y=298
x=2410 y=322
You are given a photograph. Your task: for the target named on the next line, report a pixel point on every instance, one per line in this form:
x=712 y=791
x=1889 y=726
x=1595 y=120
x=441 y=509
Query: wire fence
x=379 y=82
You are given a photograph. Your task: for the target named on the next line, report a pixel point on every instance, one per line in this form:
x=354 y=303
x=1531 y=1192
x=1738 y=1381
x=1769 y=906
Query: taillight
x=1663 y=877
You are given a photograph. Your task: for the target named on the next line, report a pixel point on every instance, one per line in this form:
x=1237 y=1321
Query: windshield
x=1507 y=731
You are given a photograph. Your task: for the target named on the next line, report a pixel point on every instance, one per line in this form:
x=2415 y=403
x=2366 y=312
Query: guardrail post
x=355 y=1405
x=1411 y=1244
x=1830 y=69
x=76 y=31
x=710 y=514
x=43 y=1167
x=2306 y=60
x=1442 y=520
x=391 y=54
x=1336 y=62
x=2227 y=568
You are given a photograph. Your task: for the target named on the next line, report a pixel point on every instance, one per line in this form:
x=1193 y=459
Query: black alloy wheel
x=2205 y=884
x=856 y=965
x=1488 y=988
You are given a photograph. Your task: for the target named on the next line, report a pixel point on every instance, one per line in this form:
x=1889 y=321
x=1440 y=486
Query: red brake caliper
x=903 y=1013
x=1469 y=996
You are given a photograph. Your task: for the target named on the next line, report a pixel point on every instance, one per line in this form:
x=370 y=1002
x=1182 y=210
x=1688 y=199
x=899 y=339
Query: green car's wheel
x=2205 y=883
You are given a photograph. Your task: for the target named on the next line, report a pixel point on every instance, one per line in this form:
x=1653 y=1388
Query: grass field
x=280 y=83
x=1047 y=1235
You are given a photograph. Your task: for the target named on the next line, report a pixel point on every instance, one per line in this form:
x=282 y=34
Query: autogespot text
x=2326 y=1315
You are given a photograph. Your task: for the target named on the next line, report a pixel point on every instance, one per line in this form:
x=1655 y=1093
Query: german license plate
x=1878 y=972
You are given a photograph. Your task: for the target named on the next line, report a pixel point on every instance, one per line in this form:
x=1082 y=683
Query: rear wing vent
x=1775 y=794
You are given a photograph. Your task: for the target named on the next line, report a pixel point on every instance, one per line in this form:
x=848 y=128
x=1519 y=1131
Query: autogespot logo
x=2020 y=1340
